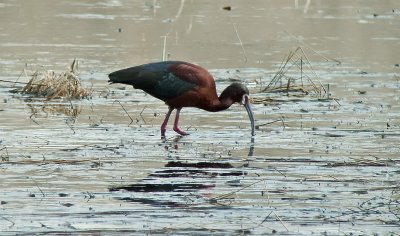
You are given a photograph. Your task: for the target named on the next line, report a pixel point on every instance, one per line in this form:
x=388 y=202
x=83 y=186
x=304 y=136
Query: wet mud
x=322 y=163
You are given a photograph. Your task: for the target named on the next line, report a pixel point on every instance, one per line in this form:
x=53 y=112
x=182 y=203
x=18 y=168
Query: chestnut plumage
x=181 y=84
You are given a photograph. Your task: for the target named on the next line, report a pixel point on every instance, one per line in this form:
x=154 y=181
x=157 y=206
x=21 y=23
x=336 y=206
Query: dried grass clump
x=47 y=84
x=296 y=75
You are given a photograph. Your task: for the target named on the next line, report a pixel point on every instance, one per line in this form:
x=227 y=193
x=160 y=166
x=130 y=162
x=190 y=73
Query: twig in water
x=312 y=70
x=45 y=140
x=41 y=191
x=328 y=92
x=265 y=219
x=164 y=57
x=214 y=199
x=154 y=7
x=288 y=86
x=89 y=196
x=296 y=60
x=337 y=101
x=395 y=211
x=283 y=123
x=319 y=54
x=259 y=224
x=34 y=121
x=241 y=43
x=180 y=9
x=6 y=157
x=16 y=82
x=69 y=125
x=74 y=113
x=307 y=6
x=142 y=116
x=280 y=172
x=6 y=219
x=73 y=110
x=281 y=221
x=301 y=71
x=125 y=111
x=189 y=29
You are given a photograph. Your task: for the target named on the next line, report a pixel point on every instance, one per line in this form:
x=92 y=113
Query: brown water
x=329 y=167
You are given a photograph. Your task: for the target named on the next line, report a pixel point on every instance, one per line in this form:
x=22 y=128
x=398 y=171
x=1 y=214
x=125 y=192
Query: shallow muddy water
x=98 y=166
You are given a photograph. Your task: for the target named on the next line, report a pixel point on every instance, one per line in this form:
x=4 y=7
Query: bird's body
x=182 y=84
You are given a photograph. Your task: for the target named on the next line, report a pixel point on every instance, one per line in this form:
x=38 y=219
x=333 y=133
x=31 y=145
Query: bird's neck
x=220 y=104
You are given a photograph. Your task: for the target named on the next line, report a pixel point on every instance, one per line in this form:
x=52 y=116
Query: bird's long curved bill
x=250 y=113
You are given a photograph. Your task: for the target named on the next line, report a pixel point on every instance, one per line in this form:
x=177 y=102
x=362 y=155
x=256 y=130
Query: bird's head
x=239 y=93
x=236 y=92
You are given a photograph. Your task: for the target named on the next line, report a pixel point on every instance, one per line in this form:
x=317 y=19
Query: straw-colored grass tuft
x=296 y=75
x=45 y=83
x=295 y=78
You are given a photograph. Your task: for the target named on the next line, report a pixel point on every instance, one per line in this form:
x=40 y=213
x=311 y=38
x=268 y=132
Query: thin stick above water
x=241 y=43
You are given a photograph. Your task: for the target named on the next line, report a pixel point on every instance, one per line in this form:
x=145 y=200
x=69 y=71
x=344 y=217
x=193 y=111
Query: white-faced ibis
x=181 y=84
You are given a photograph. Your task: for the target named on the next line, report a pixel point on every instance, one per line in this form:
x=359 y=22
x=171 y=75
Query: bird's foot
x=179 y=131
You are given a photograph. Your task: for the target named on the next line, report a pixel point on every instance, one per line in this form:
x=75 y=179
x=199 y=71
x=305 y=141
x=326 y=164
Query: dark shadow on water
x=196 y=169
x=161 y=187
x=151 y=202
x=193 y=173
x=182 y=177
x=199 y=165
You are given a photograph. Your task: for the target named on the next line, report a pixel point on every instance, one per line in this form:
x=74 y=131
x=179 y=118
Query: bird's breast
x=193 y=98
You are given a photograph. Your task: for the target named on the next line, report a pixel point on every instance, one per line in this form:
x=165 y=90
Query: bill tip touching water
x=181 y=84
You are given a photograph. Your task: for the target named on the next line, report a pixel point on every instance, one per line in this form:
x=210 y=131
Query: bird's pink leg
x=176 y=127
x=165 y=122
